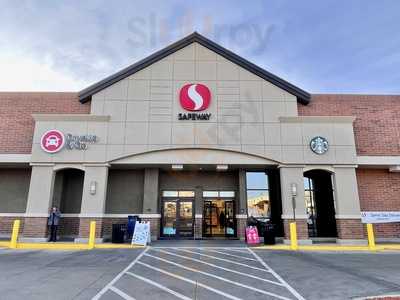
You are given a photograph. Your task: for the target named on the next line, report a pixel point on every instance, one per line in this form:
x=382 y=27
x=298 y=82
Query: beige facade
x=254 y=124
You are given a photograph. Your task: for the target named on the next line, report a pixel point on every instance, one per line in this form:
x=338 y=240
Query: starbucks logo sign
x=319 y=145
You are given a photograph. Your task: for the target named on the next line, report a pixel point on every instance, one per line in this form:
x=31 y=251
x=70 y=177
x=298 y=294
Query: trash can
x=269 y=234
x=118 y=233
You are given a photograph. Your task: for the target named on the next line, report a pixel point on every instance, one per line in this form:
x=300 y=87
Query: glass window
x=257 y=180
x=216 y=194
x=182 y=194
x=208 y=194
x=186 y=194
x=258 y=202
x=170 y=193
x=310 y=206
x=306 y=183
x=227 y=194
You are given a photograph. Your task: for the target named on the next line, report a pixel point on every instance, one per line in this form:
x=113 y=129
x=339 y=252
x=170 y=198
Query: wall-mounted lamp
x=293 y=189
x=93 y=187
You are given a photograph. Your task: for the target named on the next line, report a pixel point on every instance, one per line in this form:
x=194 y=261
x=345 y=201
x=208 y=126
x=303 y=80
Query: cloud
x=320 y=46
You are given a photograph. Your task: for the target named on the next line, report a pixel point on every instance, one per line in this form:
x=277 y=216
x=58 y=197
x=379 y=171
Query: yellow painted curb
x=69 y=246
x=52 y=246
x=5 y=244
x=117 y=246
x=275 y=247
x=330 y=248
x=335 y=248
x=388 y=247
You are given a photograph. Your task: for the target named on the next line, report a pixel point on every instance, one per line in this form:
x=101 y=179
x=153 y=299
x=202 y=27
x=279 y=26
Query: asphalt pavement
x=202 y=272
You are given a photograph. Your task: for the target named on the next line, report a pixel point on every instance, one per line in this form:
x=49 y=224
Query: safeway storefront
x=195 y=139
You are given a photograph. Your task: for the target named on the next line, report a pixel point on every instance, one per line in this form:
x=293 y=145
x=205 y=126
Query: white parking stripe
x=121 y=293
x=243 y=249
x=111 y=283
x=223 y=259
x=190 y=281
x=223 y=251
x=232 y=282
x=213 y=265
x=292 y=290
x=160 y=286
x=228 y=254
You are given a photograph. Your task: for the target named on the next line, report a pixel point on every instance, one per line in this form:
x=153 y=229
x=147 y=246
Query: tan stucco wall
x=249 y=115
x=137 y=116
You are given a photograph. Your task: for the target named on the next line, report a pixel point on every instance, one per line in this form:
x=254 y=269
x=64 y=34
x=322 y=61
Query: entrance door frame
x=322 y=200
x=178 y=200
x=225 y=199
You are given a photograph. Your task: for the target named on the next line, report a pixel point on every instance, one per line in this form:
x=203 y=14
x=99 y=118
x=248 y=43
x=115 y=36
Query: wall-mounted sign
x=319 y=145
x=380 y=216
x=80 y=142
x=54 y=140
x=194 y=97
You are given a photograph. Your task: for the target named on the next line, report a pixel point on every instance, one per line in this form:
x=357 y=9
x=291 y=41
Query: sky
x=350 y=46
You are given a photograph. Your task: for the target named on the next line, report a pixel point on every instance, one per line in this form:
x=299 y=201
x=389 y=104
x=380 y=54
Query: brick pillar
x=93 y=204
x=6 y=225
x=198 y=228
x=351 y=230
x=84 y=228
x=38 y=203
x=69 y=227
x=35 y=227
x=302 y=229
x=241 y=227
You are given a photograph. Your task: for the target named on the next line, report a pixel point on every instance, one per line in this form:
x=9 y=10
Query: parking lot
x=196 y=273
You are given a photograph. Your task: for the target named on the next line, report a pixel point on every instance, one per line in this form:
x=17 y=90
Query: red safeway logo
x=52 y=141
x=195 y=97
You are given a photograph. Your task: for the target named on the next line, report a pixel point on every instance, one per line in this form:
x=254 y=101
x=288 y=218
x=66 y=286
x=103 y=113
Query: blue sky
x=326 y=46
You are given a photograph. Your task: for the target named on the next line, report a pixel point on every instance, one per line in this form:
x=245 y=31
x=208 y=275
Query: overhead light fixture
x=222 y=167
x=177 y=167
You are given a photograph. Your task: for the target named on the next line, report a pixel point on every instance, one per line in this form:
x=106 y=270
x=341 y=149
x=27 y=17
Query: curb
x=67 y=246
x=330 y=248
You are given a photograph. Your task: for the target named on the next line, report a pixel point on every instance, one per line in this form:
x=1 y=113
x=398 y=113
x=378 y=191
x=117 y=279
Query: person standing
x=53 y=222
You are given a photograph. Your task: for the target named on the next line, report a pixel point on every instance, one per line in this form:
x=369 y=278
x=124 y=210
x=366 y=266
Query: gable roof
x=86 y=94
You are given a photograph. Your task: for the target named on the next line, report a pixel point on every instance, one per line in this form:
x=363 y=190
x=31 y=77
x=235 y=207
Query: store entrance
x=218 y=218
x=177 y=217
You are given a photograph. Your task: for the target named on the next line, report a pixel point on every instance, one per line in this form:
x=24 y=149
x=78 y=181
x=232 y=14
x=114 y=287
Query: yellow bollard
x=293 y=236
x=92 y=235
x=371 y=237
x=14 y=235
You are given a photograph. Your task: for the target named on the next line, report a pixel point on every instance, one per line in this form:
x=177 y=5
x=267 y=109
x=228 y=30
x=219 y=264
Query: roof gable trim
x=86 y=94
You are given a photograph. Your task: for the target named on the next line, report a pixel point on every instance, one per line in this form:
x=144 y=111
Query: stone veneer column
x=151 y=211
x=294 y=174
x=198 y=213
x=348 y=216
x=39 y=201
x=241 y=210
x=93 y=206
